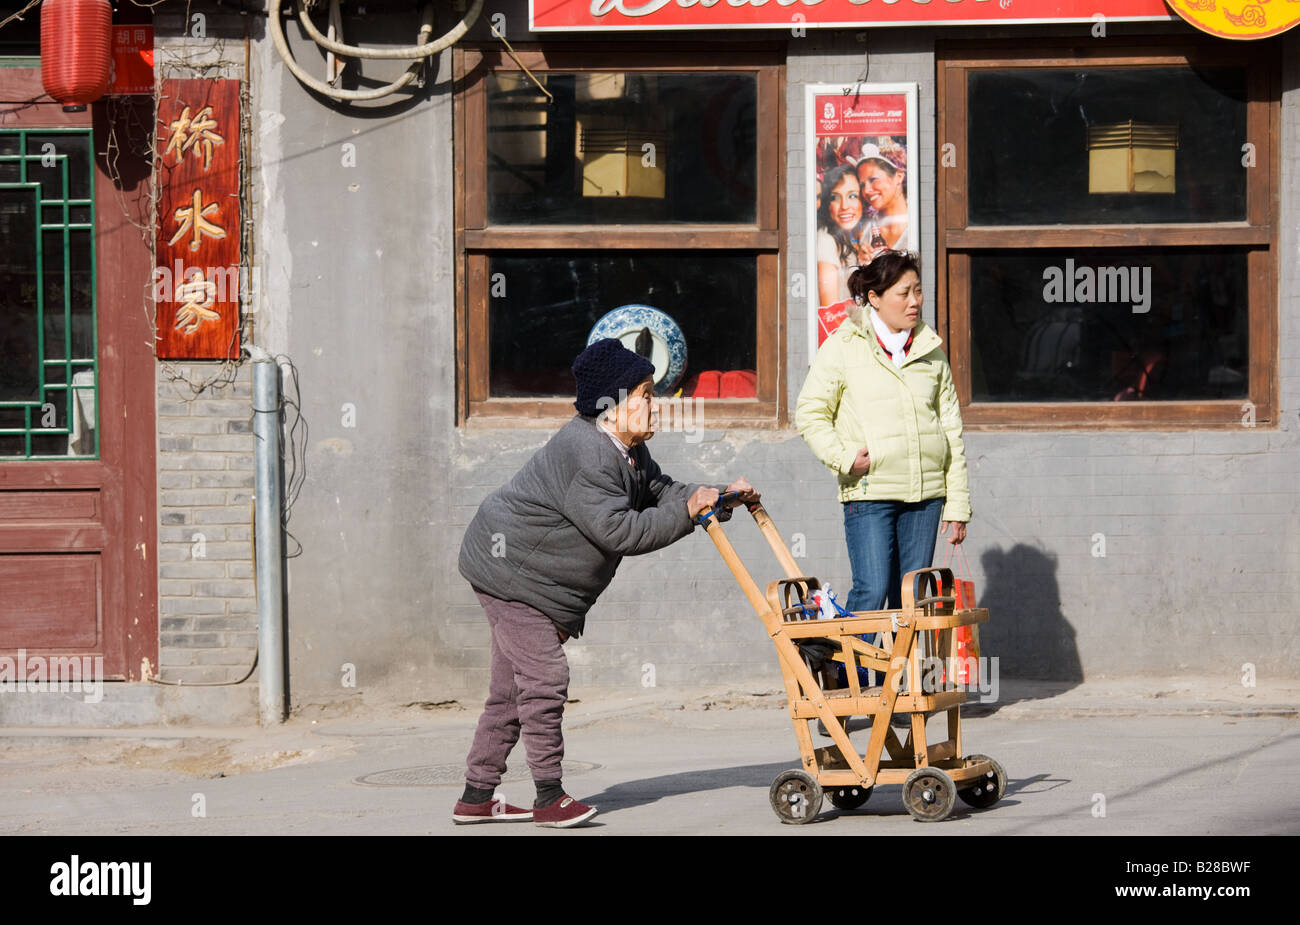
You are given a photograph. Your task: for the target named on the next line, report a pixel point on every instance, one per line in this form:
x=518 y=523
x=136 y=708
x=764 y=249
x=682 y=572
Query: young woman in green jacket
x=880 y=409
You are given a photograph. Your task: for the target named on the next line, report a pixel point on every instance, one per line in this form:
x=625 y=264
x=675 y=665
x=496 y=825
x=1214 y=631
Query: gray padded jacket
x=553 y=536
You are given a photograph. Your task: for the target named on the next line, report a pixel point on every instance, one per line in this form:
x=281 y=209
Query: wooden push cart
x=917 y=640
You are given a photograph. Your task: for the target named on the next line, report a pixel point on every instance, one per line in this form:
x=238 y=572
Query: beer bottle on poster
x=877 y=240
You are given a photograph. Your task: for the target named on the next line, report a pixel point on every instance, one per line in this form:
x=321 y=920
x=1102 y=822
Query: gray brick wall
x=206 y=595
x=207 y=606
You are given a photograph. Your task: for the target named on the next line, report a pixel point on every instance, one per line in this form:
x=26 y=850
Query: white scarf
x=893 y=342
x=614 y=438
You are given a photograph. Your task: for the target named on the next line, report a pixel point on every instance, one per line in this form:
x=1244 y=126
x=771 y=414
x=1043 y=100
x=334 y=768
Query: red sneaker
x=563 y=813
x=494 y=810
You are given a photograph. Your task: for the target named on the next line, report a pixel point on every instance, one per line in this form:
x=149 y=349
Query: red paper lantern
x=76 y=51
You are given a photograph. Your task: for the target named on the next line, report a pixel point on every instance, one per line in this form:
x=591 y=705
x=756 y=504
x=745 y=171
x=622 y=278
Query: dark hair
x=885 y=165
x=843 y=239
x=882 y=272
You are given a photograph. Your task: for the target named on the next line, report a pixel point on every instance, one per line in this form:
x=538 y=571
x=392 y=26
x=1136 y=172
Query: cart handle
x=718 y=505
x=931 y=578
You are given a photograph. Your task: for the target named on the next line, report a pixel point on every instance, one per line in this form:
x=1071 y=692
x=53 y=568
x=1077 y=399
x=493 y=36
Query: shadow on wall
x=1026 y=629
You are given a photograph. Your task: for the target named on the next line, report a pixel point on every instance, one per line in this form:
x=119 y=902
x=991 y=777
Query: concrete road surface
x=1171 y=757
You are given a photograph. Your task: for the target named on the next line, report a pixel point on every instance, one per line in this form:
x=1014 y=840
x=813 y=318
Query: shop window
x=1107 y=234
x=598 y=182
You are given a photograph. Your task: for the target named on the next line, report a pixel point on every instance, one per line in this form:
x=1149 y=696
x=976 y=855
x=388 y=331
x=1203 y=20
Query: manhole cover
x=439 y=775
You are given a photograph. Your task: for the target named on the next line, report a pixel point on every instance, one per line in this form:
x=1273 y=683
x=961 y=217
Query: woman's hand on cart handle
x=703 y=499
x=744 y=493
x=861 y=463
x=706 y=502
x=958 y=533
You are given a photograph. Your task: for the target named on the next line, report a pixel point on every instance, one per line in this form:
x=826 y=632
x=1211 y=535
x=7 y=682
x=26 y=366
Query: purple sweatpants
x=530 y=683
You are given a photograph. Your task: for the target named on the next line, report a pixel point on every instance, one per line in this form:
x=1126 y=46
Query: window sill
x=675 y=414
x=1137 y=415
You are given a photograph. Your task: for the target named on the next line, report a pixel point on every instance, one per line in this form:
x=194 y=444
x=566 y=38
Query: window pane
x=56 y=325
x=19 y=323
x=1030 y=160
x=81 y=299
x=53 y=417
x=544 y=306
x=1069 y=325
x=610 y=150
x=75 y=147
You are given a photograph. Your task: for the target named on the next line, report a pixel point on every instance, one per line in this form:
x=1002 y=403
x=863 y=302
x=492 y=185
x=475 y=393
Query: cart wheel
x=796 y=797
x=988 y=789
x=929 y=794
x=849 y=797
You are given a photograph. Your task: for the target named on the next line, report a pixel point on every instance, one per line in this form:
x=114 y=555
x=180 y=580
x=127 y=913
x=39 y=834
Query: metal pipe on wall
x=268 y=535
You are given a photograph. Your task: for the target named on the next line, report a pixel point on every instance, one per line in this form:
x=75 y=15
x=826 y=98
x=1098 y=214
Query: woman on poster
x=882 y=175
x=839 y=222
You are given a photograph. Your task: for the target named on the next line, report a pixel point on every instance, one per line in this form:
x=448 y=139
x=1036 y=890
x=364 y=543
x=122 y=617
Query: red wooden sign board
x=197 y=243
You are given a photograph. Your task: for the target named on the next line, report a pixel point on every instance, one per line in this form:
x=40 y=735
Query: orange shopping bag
x=967 y=637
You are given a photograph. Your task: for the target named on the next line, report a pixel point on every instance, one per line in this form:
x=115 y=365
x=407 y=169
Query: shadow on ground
x=1027 y=632
x=885 y=801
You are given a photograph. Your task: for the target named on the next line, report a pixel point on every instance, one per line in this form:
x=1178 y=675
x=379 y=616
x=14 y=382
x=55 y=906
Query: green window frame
x=63 y=216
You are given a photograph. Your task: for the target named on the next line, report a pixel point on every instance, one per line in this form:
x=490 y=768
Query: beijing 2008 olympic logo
x=1239 y=19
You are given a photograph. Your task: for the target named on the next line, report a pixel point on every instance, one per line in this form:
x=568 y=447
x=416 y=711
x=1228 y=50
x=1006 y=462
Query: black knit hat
x=607 y=370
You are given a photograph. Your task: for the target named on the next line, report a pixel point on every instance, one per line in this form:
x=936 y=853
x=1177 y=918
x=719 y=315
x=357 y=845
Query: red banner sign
x=132 y=72
x=884 y=114
x=198 y=275
x=648 y=15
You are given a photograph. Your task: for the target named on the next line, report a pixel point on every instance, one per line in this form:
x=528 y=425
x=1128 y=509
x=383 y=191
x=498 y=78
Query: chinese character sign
x=198 y=274
x=862 y=193
x=132 y=73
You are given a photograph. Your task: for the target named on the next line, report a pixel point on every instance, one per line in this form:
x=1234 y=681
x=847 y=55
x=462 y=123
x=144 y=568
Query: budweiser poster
x=861 y=189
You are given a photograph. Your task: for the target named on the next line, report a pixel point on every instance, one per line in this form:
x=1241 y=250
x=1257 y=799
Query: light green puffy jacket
x=908 y=418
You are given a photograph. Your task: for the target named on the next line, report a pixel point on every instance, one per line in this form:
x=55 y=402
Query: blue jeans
x=887 y=539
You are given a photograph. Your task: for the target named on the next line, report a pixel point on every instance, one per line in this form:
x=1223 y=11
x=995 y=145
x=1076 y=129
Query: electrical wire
x=19 y=15
x=286 y=55
x=296 y=474
x=423 y=50
x=514 y=57
x=419 y=52
x=866 y=67
x=249 y=674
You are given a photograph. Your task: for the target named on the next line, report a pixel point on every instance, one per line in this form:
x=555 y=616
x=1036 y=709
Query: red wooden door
x=78 y=553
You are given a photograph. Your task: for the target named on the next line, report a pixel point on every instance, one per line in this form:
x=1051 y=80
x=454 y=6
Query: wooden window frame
x=957 y=238
x=476 y=238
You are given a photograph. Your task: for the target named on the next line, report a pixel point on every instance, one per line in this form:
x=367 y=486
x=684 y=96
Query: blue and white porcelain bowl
x=668 y=344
